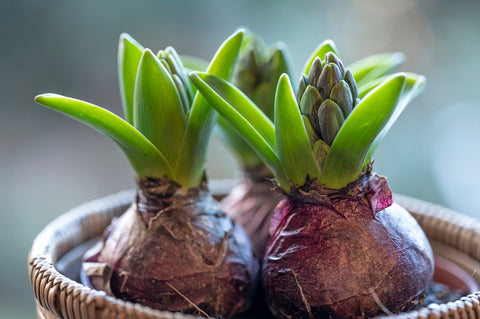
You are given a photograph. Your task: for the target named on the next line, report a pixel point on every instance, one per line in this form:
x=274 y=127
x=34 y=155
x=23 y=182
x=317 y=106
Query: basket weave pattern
x=57 y=296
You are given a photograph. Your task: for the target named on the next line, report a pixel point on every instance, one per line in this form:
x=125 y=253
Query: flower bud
x=342 y=95
x=327 y=96
x=258 y=69
x=330 y=120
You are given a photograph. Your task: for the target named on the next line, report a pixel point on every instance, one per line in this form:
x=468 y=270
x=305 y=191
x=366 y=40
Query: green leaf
x=270 y=63
x=158 y=111
x=129 y=54
x=293 y=144
x=375 y=66
x=367 y=87
x=227 y=92
x=414 y=85
x=231 y=103
x=412 y=78
x=193 y=63
x=173 y=59
x=236 y=143
x=351 y=146
x=324 y=47
x=190 y=165
x=279 y=62
x=146 y=159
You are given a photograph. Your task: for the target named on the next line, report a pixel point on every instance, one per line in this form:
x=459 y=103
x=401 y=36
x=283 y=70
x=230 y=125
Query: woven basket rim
x=58 y=296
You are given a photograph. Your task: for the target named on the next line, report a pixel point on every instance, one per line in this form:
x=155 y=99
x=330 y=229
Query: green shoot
x=191 y=162
x=167 y=128
x=327 y=94
x=129 y=54
x=158 y=111
x=193 y=63
x=237 y=108
x=293 y=144
x=375 y=66
x=257 y=72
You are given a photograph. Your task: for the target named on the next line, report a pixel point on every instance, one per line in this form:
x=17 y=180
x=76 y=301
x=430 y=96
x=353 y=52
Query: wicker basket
x=58 y=293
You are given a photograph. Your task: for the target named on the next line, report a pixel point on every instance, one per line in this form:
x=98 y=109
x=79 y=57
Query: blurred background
x=49 y=163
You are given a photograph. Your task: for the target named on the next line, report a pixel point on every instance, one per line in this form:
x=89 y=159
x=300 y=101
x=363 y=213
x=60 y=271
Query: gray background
x=49 y=163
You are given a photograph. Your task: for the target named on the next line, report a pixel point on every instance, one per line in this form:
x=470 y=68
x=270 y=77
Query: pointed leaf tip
x=421 y=83
x=375 y=66
x=40 y=97
x=399 y=57
x=285 y=79
x=320 y=51
x=129 y=54
x=126 y=37
x=158 y=109
x=149 y=54
x=145 y=158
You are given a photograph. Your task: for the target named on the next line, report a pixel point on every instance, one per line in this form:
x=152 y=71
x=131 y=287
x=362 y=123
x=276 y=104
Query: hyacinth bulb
x=174 y=249
x=339 y=247
x=348 y=253
x=177 y=251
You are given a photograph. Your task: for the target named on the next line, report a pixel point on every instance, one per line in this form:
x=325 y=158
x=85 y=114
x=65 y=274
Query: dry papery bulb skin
x=349 y=253
x=251 y=204
x=176 y=250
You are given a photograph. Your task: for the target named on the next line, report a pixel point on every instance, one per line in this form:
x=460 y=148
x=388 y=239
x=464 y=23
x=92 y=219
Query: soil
x=439 y=293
